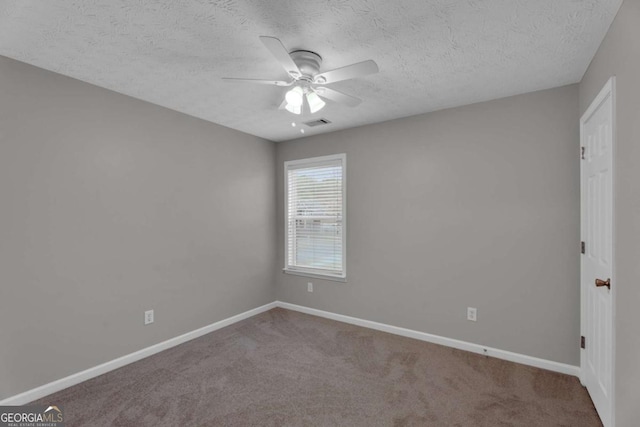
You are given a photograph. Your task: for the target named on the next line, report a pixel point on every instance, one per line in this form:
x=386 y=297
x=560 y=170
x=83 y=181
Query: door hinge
x=583 y=342
x=582 y=153
x=583 y=248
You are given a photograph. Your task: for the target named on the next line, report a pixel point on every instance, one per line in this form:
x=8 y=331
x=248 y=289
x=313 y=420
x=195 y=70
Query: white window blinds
x=315 y=215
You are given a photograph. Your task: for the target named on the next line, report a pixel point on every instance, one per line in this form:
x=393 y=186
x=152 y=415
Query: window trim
x=310 y=162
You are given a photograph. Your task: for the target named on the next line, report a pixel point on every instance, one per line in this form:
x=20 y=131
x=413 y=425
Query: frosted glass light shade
x=294 y=97
x=315 y=102
x=293 y=109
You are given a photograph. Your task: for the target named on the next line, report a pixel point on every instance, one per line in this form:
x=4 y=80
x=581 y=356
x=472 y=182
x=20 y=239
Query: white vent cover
x=318 y=122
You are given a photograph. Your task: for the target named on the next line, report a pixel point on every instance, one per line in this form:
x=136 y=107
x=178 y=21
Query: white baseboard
x=52 y=387
x=436 y=339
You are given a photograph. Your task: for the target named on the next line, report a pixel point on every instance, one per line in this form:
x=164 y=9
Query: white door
x=597 y=284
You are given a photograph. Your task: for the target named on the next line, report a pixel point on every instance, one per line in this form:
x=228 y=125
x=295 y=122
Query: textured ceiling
x=432 y=54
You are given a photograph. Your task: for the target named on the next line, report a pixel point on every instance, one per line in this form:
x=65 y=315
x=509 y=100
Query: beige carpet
x=283 y=368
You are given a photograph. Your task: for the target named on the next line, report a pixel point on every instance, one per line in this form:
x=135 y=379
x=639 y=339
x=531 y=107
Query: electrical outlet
x=148 y=317
x=310 y=287
x=472 y=314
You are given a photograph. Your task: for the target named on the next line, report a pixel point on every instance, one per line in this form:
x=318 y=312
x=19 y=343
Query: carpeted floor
x=283 y=368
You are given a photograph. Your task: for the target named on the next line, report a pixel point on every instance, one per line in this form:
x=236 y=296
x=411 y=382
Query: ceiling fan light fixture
x=315 y=102
x=303 y=68
x=294 y=97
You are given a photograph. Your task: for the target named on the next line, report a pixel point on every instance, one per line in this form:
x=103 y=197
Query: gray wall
x=474 y=206
x=112 y=206
x=619 y=55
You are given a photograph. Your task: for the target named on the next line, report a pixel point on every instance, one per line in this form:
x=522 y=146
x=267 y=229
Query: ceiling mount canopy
x=303 y=67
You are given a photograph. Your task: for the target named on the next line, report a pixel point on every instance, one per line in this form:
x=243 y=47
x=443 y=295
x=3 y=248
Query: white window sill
x=315 y=275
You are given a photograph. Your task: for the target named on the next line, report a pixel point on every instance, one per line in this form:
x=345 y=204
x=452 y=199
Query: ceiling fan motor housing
x=308 y=63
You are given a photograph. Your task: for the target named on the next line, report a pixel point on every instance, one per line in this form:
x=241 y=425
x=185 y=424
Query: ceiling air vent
x=318 y=122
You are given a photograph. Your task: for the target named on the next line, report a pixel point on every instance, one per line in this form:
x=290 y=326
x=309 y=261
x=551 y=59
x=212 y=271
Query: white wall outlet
x=472 y=314
x=309 y=287
x=148 y=317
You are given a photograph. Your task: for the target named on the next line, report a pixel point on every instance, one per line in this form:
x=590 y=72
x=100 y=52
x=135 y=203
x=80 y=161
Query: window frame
x=301 y=164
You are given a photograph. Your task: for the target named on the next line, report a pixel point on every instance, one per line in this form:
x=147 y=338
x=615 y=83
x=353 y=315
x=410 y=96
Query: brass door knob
x=606 y=283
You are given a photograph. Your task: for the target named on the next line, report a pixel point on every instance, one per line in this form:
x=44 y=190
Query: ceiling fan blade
x=278 y=50
x=339 y=97
x=349 y=72
x=259 y=81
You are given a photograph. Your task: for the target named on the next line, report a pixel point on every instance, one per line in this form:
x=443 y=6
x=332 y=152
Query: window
x=315 y=216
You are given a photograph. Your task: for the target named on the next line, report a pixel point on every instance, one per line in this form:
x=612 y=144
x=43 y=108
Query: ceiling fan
x=303 y=67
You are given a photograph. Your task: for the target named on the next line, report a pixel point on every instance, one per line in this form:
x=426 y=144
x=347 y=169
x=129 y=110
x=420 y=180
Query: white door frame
x=609 y=89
